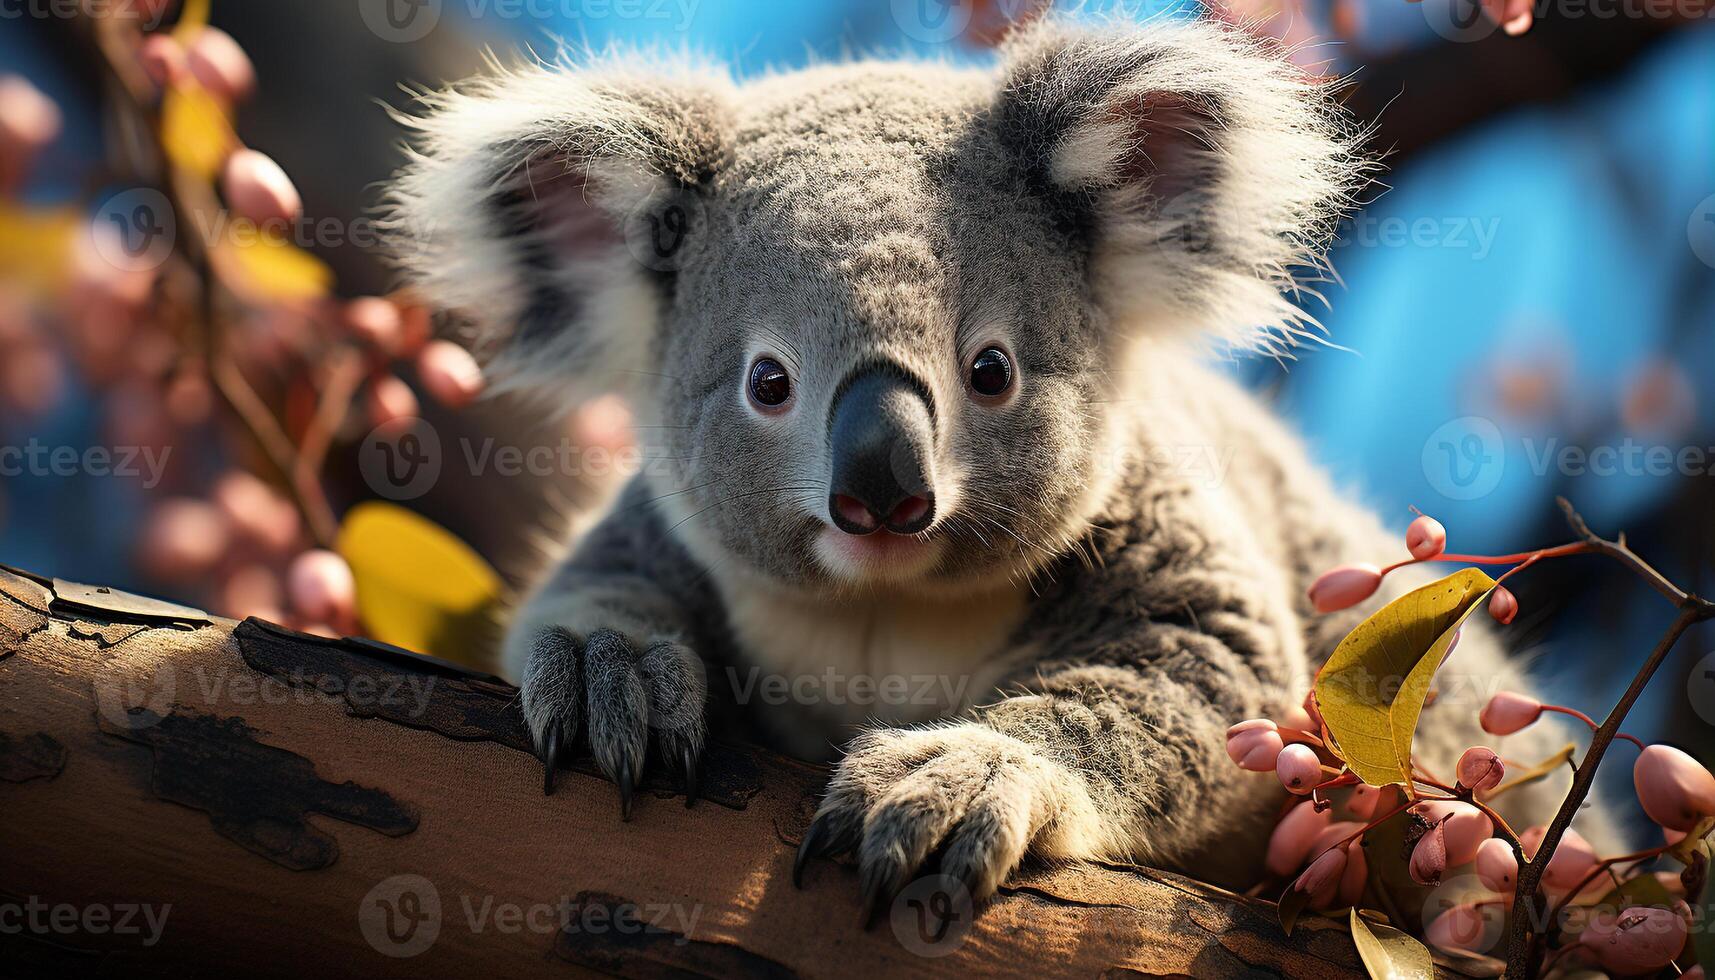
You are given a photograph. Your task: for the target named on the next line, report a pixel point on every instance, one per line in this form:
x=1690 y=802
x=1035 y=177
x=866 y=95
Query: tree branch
x=1524 y=950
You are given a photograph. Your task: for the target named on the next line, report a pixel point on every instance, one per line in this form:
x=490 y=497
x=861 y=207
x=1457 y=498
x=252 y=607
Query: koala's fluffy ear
x=1208 y=169
x=551 y=206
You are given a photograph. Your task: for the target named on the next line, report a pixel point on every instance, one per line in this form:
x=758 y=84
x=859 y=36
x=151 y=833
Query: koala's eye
x=769 y=386
x=991 y=373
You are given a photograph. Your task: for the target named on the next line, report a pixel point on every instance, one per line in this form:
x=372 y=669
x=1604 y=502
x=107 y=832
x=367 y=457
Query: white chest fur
x=884 y=659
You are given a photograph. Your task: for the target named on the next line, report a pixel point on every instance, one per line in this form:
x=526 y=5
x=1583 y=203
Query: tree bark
x=181 y=791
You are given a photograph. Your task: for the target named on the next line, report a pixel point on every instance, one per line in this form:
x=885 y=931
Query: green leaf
x=1372 y=690
x=1389 y=954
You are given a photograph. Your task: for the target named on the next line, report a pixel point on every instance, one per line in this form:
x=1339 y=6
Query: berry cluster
x=1318 y=844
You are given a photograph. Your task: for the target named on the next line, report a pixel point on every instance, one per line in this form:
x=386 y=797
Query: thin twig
x=1524 y=951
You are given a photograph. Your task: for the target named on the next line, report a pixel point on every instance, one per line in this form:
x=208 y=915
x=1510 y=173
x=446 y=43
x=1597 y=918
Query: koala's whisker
x=790 y=488
x=672 y=493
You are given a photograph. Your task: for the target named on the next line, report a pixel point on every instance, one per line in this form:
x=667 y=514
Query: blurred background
x=196 y=348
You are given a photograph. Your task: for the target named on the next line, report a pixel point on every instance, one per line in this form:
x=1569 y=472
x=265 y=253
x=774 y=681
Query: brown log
x=283 y=805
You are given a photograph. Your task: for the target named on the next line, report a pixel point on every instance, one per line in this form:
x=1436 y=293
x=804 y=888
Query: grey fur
x=1096 y=204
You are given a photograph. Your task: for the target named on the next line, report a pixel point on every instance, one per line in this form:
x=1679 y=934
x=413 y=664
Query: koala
x=922 y=352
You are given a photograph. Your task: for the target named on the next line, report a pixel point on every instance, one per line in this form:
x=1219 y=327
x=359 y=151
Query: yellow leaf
x=1536 y=773
x=266 y=268
x=1371 y=691
x=36 y=246
x=195 y=132
x=418 y=586
x=1389 y=954
x=193 y=18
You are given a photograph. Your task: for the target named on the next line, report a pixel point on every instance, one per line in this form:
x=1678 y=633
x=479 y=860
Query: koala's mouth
x=881 y=556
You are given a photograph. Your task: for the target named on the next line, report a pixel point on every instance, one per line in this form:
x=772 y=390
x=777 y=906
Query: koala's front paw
x=978 y=796
x=603 y=688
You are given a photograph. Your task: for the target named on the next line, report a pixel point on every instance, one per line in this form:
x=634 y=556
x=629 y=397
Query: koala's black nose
x=880 y=431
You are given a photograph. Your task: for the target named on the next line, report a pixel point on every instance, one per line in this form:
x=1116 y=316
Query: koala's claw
x=972 y=795
x=622 y=700
x=625 y=789
x=693 y=778
x=550 y=760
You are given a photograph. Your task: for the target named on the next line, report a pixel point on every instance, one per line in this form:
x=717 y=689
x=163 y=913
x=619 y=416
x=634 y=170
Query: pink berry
x=1298 y=768
x=1344 y=587
x=1363 y=801
x=1573 y=859
x=1503 y=605
x=1357 y=875
x=29 y=120
x=390 y=400
x=1425 y=538
x=1429 y=857
x=1480 y=768
x=220 y=65
x=376 y=322
x=1321 y=881
x=1638 y=940
x=1497 y=865
x=1675 y=791
x=258 y=513
x=321 y=588
x=1297 y=719
x=183 y=539
x=449 y=373
x=1471 y=927
x=1466 y=827
x=163 y=59
x=1255 y=748
x=1508 y=712
x=1290 y=843
x=1251 y=725
x=256 y=188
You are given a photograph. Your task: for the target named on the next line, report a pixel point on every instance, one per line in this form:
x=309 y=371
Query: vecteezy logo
x=133 y=230
x=401 y=916
x=133 y=702
x=658 y=230
x=1464 y=458
x=1701 y=231
x=1700 y=688
x=932 y=21
x=401 y=459
x=1459 y=21
x=932 y=915
x=400 y=21
x=1477 y=924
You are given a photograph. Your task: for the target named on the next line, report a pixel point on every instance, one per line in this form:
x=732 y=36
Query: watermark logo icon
x=401 y=459
x=1459 y=21
x=658 y=230
x=1701 y=231
x=1464 y=459
x=134 y=230
x=400 y=21
x=1476 y=923
x=135 y=701
x=1700 y=688
x=932 y=915
x=932 y=21
x=401 y=916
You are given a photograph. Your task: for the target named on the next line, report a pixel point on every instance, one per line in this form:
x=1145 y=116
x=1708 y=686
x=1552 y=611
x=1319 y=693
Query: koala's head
x=873 y=315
